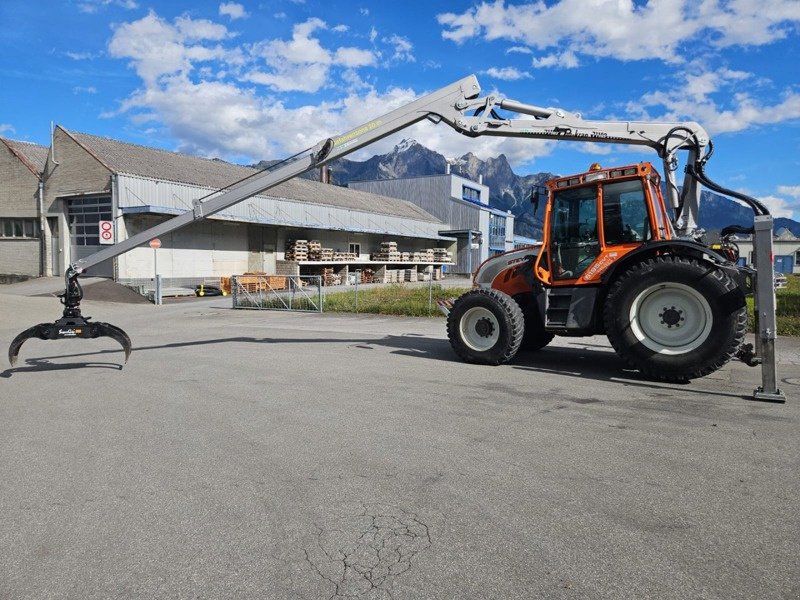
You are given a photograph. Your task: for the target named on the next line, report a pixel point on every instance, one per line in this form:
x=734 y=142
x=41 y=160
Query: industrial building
x=481 y=231
x=22 y=251
x=62 y=196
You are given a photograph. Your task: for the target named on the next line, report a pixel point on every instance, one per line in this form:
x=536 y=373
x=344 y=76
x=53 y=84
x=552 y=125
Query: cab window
x=573 y=228
x=625 y=218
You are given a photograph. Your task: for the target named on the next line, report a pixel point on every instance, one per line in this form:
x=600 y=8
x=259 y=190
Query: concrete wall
x=204 y=249
x=18 y=198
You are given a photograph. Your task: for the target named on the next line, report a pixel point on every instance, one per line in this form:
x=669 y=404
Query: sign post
x=155 y=244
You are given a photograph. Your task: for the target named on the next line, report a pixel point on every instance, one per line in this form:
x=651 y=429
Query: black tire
x=651 y=302
x=485 y=326
x=535 y=336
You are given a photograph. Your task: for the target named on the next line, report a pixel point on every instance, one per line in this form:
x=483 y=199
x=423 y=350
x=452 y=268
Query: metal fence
x=301 y=293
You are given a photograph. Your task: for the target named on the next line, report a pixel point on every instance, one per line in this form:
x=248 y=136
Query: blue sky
x=260 y=79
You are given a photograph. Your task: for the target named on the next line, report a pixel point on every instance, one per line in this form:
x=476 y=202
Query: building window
x=355 y=249
x=797 y=258
x=19 y=228
x=84 y=216
x=497 y=233
x=468 y=193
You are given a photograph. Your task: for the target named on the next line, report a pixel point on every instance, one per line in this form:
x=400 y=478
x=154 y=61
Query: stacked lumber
x=296 y=250
x=422 y=256
x=367 y=276
x=410 y=275
x=344 y=256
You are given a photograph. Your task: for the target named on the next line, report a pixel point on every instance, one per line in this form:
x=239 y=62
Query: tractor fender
x=743 y=276
x=510 y=272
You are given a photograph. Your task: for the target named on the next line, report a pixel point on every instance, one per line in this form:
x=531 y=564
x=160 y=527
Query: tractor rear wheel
x=675 y=318
x=485 y=326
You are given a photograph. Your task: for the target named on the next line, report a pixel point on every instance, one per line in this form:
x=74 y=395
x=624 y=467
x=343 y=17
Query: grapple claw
x=115 y=333
x=71 y=325
x=16 y=344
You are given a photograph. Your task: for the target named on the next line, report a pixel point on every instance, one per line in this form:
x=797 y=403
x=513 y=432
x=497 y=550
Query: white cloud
x=564 y=60
x=234 y=10
x=364 y=12
x=302 y=63
x=84 y=90
x=623 y=29
x=157 y=48
x=699 y=99
x=790 y=190
x=402 y=48
x=92 y=6
x=507 y=73
x=779 y=207
x=198 y=86
x=519 y=50
x=373 y=34
x=340 y=29
x=83 y=55
x=354 y=57
x=5 y=128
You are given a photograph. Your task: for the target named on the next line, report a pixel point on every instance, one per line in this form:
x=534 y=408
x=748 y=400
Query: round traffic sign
x=156 y=243
x=106 y=232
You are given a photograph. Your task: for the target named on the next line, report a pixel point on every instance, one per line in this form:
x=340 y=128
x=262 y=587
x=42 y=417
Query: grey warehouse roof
x=153 y=163
x=33 y=155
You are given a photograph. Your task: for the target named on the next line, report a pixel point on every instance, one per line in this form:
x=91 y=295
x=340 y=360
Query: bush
x=787 y=308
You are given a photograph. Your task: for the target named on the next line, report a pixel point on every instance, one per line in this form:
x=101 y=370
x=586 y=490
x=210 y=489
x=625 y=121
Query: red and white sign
x=106 y=232
x=155 y=244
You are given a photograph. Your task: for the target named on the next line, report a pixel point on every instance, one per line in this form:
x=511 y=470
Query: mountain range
x=508 y=190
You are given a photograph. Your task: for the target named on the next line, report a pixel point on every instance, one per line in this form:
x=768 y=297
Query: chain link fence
x=302 y=293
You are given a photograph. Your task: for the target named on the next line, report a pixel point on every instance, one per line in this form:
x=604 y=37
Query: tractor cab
x=594 y=218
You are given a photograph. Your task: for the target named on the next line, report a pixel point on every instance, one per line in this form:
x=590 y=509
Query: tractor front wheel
x=675 y=318
x=485 y=327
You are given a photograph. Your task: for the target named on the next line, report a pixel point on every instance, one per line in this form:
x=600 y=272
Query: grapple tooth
x=115 y=333
x=16 y=344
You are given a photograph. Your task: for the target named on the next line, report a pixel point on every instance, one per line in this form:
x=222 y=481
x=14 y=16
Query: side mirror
x=536 y=194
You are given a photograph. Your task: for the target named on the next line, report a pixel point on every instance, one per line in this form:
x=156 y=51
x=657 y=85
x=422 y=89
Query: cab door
x=573 y=233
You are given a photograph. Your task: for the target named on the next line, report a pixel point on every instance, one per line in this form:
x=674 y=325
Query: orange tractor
x=609 y=264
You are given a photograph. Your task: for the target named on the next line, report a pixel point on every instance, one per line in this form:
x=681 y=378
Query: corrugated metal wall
x=139 y=192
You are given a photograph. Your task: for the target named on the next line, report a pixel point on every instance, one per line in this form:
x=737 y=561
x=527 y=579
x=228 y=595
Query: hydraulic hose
x=697 y=170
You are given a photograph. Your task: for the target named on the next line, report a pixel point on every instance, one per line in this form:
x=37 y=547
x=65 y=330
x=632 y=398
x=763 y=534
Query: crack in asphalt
x=362 y=554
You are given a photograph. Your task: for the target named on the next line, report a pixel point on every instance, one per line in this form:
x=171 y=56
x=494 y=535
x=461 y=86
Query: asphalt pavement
x=248 y=454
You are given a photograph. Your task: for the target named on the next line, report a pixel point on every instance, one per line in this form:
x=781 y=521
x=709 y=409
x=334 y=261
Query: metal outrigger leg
x=764 y=311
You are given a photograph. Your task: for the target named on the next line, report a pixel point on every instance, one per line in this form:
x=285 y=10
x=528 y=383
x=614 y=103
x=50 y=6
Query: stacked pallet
x=344 y=256
x=367 y=276
x=330 y=278
x=388 y=252
x=296 y=250
x=442 y=255
x=318 y=253
x=410 y=275
x=422 y=256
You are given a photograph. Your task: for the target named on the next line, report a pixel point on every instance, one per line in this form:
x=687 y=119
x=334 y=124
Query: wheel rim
x=671 y=318
x=479 y=328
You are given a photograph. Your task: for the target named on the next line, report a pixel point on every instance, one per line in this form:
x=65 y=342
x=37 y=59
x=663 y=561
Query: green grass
x=410 y=301
x=787 y=310
x=394 y=299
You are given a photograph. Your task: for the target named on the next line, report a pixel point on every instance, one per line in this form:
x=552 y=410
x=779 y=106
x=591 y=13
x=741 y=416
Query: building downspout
x=42 y=229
